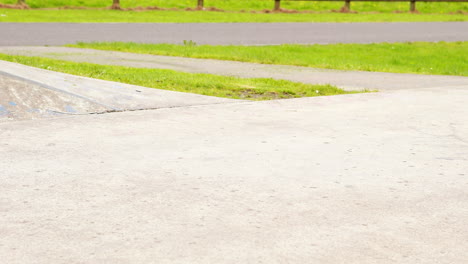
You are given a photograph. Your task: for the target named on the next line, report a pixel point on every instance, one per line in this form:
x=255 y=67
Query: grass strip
x=115 y=16
x=205 y=84
x=446 y=58
x=238 y=5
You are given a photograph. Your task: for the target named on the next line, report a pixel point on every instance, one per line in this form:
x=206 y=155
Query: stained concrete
x=364 y=178
x=21 y=100
x=349 y=80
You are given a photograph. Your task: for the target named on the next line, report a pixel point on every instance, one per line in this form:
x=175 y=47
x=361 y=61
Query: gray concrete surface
x=21 y=99
x=30 y=93
x=230 y=33
x=365 y=178
x=349 y=80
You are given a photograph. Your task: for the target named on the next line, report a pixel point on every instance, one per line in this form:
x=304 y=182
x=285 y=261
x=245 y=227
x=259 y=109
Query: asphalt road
x=231 y=33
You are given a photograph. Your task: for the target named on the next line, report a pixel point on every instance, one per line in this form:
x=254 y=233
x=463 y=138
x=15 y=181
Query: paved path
x=231 y=33
x=367 y=178
x=350 y=80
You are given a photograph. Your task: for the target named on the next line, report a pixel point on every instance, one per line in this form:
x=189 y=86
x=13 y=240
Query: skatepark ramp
x=31 y=93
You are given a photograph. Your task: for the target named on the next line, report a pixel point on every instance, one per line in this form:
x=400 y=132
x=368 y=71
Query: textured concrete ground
x=366 y=178
x=231 y=33
x=363 y=178
x=350 y=80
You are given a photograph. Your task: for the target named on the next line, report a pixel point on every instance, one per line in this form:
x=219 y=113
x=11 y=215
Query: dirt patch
x=253 y=94
x=149 y=8
x=138 y=8
x=214 y=9
x=72 y=8
x=23 y=6
x=287 y=11
x=344 y=10
x=459 y=12
x=141 y=8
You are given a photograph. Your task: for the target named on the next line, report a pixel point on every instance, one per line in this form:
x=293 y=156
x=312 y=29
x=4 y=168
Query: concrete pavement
x=349 y=80
x=231 y=33
x=364 y=178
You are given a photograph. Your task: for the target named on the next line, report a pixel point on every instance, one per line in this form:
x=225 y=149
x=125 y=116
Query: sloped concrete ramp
x=29 y=93
x=20 y=99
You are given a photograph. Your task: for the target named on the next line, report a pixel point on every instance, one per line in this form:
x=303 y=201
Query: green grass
x=237 y=5
x=206 y=84
x=447 y=58
x=99 y=16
